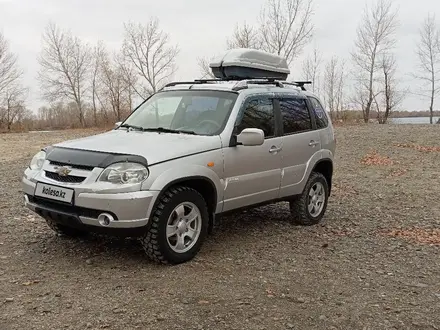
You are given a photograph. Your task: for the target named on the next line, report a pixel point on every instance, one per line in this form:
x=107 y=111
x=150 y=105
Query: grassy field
x=372 y=264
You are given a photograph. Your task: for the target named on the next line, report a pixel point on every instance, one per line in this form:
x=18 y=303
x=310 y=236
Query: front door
x=253 y=173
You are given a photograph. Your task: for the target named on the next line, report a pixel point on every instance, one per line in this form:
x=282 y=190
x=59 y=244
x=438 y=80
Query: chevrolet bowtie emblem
x=63 y=170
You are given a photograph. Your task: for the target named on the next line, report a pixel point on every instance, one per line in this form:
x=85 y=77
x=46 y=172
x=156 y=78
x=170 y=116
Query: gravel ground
x=372 y=264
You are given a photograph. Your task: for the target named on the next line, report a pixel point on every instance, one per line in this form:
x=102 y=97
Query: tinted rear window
x=296 y=116
x=320 y=115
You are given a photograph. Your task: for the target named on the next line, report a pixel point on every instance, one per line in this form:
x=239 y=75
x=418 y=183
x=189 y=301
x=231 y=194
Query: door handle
x=313 y=143
x=274 y=149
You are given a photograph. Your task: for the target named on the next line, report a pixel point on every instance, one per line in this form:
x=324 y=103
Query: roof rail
x=243 y=82
x=299 y=84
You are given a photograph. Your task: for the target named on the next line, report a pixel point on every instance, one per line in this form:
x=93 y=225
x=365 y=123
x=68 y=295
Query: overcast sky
x=198 y=27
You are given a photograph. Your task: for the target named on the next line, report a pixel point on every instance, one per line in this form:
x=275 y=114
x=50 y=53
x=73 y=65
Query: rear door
x=300 y=142
x=322 y=123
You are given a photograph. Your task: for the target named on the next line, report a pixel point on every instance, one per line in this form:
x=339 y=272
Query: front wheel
x=178 y=226
x=309 y=208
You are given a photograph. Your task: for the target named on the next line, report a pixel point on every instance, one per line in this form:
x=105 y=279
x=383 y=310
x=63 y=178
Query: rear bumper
x=128 y=210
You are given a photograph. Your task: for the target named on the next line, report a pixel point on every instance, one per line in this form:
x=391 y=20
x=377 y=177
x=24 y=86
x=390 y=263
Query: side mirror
x=117 y=124
x=251 y=137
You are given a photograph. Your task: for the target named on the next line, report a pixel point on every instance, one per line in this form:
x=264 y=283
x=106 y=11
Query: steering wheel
x=210 y=122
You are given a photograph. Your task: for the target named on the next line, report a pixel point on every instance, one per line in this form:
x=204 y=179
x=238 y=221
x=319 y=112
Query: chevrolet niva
x=188 y=154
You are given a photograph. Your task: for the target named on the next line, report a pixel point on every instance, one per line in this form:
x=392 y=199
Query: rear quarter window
x=319 y=112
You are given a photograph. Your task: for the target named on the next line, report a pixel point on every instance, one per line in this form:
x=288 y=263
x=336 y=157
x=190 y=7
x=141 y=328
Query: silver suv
x=188 y=154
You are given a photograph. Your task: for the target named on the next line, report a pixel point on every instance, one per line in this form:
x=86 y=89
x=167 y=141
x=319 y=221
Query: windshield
x=189 y=111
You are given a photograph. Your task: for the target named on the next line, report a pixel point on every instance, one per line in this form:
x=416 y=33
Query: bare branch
x=98 y=54
x=375 y=36
x=334 y=86
x=12 y=103
x=148 y=49
x=244 y=36
x=9 y=71
x=64 y=68
x=428 y=52
x=310 y=69
x=286 y=27
x=392 y=97
x=205 y=70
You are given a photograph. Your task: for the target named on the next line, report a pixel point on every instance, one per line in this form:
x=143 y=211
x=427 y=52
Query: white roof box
x=246 y=63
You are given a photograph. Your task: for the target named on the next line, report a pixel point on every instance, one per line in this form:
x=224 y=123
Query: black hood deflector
x=90 y=158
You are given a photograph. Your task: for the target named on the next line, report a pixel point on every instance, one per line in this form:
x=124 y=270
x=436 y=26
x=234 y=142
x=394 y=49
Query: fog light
x=104 y=219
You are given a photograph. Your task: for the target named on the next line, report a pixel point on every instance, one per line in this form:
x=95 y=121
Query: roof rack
x=243 y=82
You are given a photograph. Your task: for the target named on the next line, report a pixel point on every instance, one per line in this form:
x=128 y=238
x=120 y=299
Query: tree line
x=87 y=85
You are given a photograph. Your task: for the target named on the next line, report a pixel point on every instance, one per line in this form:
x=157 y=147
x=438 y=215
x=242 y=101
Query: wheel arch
x=325 y=167
x=204 y=185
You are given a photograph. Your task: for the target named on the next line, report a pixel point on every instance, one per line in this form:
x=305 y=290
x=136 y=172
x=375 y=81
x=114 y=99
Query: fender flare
x=326 y=160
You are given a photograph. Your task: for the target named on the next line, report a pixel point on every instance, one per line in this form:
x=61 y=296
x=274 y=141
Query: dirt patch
x=258 y=271
x=417 y=235
x=373 y=158
x=418 y=148
x=397 y=172
x=343 y=190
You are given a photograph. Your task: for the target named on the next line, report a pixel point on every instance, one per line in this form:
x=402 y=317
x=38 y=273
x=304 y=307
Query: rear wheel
x=178 y=226
x=309 y=208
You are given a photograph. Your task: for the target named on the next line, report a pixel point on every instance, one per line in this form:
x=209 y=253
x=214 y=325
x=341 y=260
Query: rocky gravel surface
x=373 y=263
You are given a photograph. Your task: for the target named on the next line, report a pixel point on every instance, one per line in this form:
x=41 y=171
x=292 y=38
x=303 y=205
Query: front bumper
x=124 y=210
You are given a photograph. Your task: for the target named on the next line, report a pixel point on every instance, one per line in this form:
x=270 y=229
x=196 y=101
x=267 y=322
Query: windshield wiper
x=168 y=130
x=132 y=126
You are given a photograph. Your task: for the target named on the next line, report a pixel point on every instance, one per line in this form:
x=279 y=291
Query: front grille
x=67 y=179
x=78 y=167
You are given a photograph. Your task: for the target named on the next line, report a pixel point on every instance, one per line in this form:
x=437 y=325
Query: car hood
x=153 y=146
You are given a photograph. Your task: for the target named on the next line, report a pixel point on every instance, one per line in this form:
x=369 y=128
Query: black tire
x=155 y=242
x=299 y=206
x=64 y=230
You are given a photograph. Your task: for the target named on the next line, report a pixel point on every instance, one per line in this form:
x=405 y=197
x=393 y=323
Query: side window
x=258 y=113
x=296 y=116
x=320 y=115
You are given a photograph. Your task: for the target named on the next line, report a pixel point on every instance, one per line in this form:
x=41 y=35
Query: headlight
x=122 y=173
x=38 y=161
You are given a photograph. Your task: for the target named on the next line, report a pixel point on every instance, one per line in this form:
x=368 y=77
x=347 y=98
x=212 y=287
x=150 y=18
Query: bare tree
x=148 y=49
x=334 y=86
x=392 y=97
x=311 y=67
x=428 y=51
x=375 y=36
x=64 y=68
x=12 y=93
x=286 y=27
x=9 y=71
x=130 y=78
x=98 y=54
x=115 y=87
x=13 y=103
x=244 y=36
